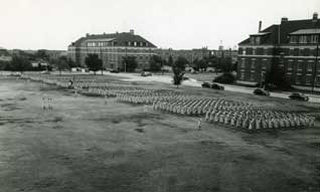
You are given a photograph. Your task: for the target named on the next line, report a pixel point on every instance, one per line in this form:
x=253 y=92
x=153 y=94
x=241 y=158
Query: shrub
x=227 y=78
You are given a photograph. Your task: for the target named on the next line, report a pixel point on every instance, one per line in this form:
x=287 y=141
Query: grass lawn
x=86 y=145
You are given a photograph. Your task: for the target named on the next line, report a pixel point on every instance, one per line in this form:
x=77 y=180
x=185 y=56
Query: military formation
x=238 y=114
x=258 y=119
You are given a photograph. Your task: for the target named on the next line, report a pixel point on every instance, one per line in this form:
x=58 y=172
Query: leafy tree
x=129 y=63
x=72 y=63
x=276 y=78
x=227 y=78
x=19 y=63
x=42 y=54
x=62 y=63
x=93 y=62
x=4 y=65
x=170 y=61
x=178 y=69
x=200 y=65
x=155 y=63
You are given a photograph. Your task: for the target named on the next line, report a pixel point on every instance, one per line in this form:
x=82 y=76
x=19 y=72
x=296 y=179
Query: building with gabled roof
x=291 y=46
x=112 y=48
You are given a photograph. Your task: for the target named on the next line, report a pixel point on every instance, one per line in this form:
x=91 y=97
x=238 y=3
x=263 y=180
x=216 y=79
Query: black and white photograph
x=159 y=96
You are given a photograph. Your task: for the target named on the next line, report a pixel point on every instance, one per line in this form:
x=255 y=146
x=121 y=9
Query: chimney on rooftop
x=131 y=31
x=284 y=19
x=315 y=16
x=260 y=26
x=87 y=34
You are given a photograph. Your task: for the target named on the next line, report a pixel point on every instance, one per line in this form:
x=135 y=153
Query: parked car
x=146 y=74
x=299 y=97
x=259 y=91
x=206 y=84
x=114 y=71
x=216 y=86
x=185 y=78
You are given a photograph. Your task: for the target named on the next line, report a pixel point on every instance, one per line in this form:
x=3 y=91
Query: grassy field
x=87 y=145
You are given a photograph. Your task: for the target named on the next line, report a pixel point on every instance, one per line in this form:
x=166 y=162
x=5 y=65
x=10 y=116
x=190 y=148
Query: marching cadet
x=251 y=125
x=145 y=108
x=199 y=123
x=44 y=103
x=50 y=103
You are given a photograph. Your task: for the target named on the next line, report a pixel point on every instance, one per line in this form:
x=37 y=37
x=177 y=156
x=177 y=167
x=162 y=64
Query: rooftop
x=120 y=38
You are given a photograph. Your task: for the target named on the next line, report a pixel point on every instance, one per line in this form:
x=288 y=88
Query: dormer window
x=252 y=40
x=314 y=39
x=257 y=40
x=293 y=39
x=303 y=39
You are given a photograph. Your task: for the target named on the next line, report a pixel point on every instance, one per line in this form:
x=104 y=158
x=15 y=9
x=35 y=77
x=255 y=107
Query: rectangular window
x=310 y=65
x=251 y=76
x=291 y=51
x=318 y=81
x=314 y=39
x=252 y=40
x=248 y=51
x=289 y=67
x=299 y=67
x=253 y=51
x=264 y=64
x=240 y=51
x=308 y=80
x=306 y=52
x=293 y=39
x=253 y=63
x=257 y=40
x=298 y=79
x=242 y=75
x=91 y=44
x=315 y=52
x=243 y=63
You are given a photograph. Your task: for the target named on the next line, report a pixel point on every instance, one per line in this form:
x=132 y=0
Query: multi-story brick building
x=189 y=54
x=292 y=46
x=112 y=48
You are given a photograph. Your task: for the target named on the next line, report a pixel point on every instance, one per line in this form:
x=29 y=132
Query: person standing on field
x=199 y=123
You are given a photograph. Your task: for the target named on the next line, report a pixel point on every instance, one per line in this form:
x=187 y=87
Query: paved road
x=195 y=83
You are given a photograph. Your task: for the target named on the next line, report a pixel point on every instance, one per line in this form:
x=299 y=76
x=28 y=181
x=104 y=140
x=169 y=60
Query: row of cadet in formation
x=216 y=110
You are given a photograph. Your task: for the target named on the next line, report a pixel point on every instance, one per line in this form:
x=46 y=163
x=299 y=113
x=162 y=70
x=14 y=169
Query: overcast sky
x=178 y=24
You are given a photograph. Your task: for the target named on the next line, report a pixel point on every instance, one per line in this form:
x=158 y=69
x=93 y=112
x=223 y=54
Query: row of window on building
x=298 y=79
x=310 y=64
x=115 y=43
x=303 y=39
x=285 y=52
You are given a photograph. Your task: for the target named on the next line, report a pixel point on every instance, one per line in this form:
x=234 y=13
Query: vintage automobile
x=299 y=97
x=216 y=86
x=146 y=74
x=262 y=92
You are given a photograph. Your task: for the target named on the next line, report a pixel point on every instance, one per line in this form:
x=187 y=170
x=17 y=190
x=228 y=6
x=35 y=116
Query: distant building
x=56 y=54
x=226 y=53
x=292 y=46
x=189 y=54
x=112 y=48
x=39 y=63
